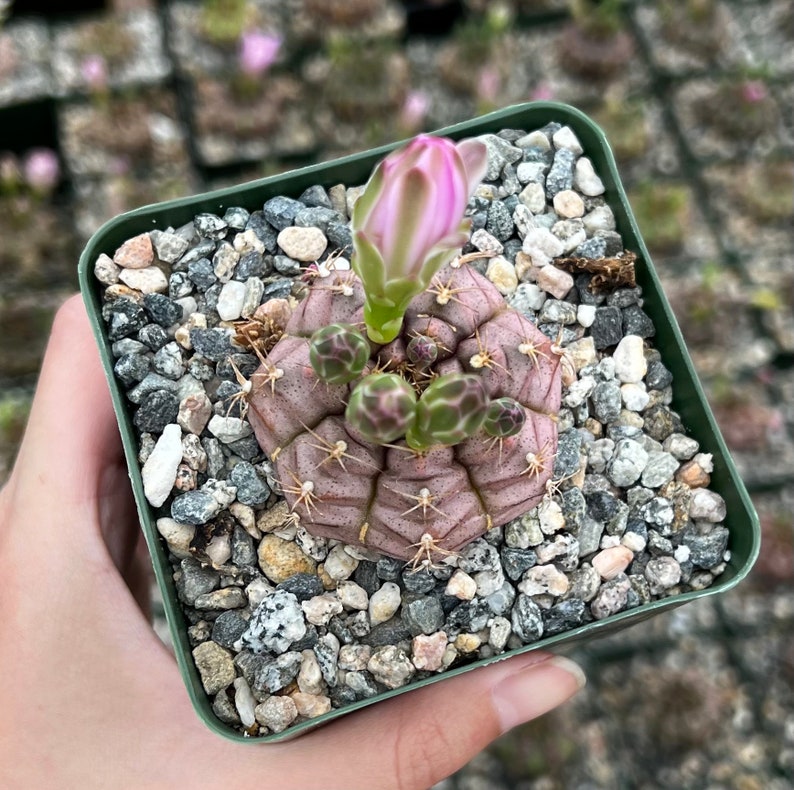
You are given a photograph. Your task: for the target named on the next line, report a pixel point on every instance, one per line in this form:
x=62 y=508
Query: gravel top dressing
x=286 y=626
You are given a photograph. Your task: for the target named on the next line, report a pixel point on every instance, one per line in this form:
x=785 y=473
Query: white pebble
x=230 y=300
x=566 y=138
x=229 y=429
x=339 y=564
x=568 y=204
x=254 y=288
x=106 y=271
x=707 y=506
x=635 y=397
x=544 y=580
x=148 y=281
x=600 y=218
x=352 y=595
x=533 y=196
x=585 y=178
x=502 y=274
x=159 y=471
x=585 y=314
x=541 y=245
x=177 y=536
x=321 y=608
x=485 y=242
x=634 y=542
x=461 y=585
x=629 y=356
x=244 y=702
x=302 y=244
x=383 y=603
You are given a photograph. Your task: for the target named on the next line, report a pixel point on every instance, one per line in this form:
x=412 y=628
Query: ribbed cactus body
x=390 y=498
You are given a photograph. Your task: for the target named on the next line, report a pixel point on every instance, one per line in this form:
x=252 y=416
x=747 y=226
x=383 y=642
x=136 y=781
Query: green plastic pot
x=689 y=399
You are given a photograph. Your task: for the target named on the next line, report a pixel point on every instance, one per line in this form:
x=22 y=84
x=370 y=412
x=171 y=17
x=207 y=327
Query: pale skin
x=92 y=699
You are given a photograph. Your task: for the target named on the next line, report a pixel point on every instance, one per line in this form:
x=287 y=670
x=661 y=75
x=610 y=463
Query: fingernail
x=536 y=689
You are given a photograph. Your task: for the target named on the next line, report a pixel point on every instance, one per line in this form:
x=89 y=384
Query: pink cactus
x=414 y=505
x=258 y=51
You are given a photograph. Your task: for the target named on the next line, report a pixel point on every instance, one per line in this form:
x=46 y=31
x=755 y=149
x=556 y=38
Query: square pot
x=689 y=401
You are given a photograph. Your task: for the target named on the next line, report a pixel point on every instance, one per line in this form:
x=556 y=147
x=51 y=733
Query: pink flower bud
x=754 y=91
x=94 y=72
x=409 y=221
x=41 y=169
x=423 y=193
x=258 y=51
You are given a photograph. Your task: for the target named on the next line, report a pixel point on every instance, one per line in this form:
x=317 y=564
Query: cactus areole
x=432 y=441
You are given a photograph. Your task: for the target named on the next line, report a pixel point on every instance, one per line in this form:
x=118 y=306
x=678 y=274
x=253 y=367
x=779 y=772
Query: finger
x=418 y=739
x=72 y=432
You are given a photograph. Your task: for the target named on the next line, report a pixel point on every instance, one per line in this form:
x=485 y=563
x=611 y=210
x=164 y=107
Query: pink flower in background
x=542 y=92
x=489 y=83
x=414 y=109
x=41 y=169
x=94 y=72
x=258 y=51
x=754 y=91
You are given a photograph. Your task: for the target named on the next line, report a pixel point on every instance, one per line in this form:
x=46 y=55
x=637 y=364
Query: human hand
x=92 y=699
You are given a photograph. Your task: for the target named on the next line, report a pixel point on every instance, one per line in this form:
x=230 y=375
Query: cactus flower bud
x=408 y=222
x=450 y=410
x=505 y=417
x=338 y=353
x=422 y=351
x=381 y=407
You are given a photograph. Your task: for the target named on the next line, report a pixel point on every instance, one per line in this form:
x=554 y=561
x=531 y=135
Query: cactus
x=417 y=443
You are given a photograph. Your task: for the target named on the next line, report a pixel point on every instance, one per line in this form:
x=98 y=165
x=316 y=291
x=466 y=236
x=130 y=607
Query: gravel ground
x=727 y=663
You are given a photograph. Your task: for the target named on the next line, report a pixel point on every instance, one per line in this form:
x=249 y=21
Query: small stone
x=215 y=667
x=213 y=344
x=320 y=609
x=554 y=281
x=565 y=137
x=544 y=580
x=177 y=536
x=461 y=585
x=533 y=196
x=302 y=585
x=339 y=564
x=229 y=429
x=585 y=314
x=157 y=409
x=251 y=488
x=659 y=470
x=681 y=446
x=485 y=242
x=634 y=396
x=428 y=651
x=105 y=270
x=135 y=253
x=600 y=218
x=499 y=632
x=275 y=624
x=585 y=178
x=384 y=603
x=607 y=328
x=210 y=226
x=423 y=615
x=706 y=550
x=542 y=246
x=276 y=713
x=502 y=274
x=696 y=473
x=627 y=463
x=389 y=665
x=568 y=204
x=244 y=702
x=224 y=264
x=194 y=507
x=707 y=505
x=657 y=378
x=662 y=573
x=230 y=300
x=611 y=598
x=526 y=619
x=280 y=211
x=279 y=559
x=611 y=562
x=467 y=643
x=302 y=244
x=606 y=401
x=159 y=471
x=560 y=175
x=310 y=706
x=352 y=595
x=629 y=357
x=221 y=600
x=194 y=413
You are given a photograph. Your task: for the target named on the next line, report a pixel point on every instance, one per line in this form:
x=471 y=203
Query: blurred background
x=106 y=105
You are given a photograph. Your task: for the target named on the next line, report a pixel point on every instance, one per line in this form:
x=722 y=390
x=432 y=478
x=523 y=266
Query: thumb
x=416 y=740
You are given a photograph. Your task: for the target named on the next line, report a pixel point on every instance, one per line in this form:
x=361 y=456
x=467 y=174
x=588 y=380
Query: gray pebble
x=607 y=327
x=280 y=211
x=153 y=336
x=611 y=598
x=163 y=310
x=157 y=409
x=131 y=368
x=274 y=675
x=251 y=489
x=194 y=507
x=210 y=226
x=422 y=615
x=195 y=579
x=526 y=619
x=124 y=318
